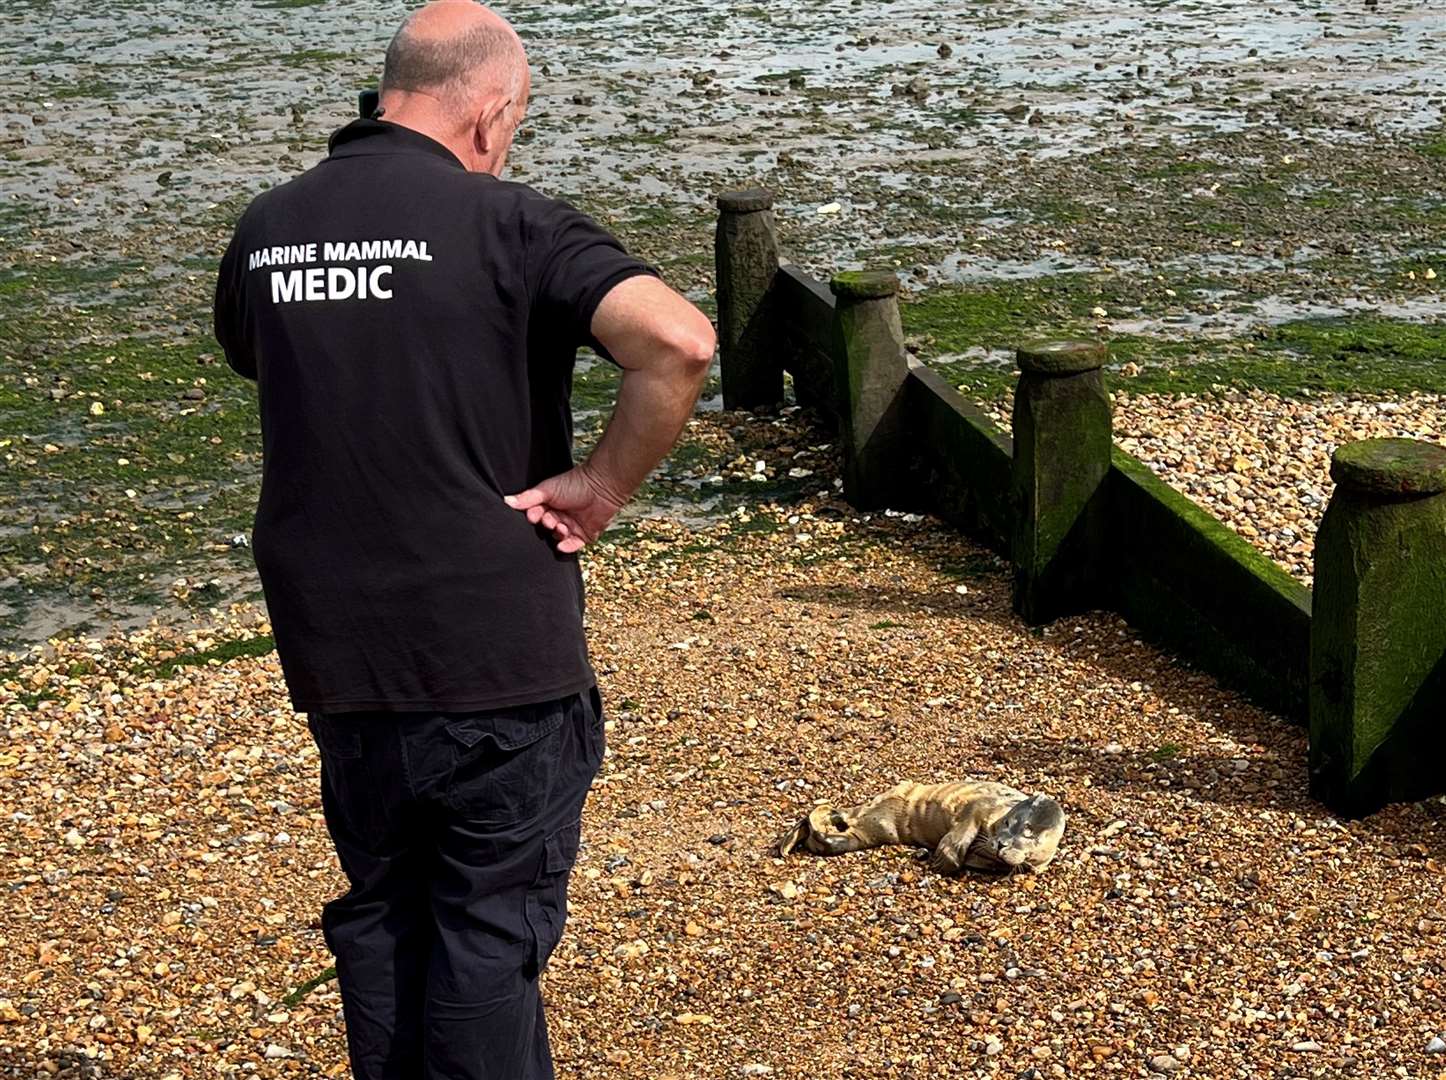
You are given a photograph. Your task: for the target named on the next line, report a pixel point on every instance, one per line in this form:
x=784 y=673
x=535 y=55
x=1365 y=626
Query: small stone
x=1164 y=1064
x=275 y=1051
x=1437 y=1045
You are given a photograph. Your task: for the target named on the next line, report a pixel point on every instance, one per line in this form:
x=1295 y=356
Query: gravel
x=1202 y=909
x=1257 y=461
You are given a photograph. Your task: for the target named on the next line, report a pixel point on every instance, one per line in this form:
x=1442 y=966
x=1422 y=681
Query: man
x=411 y=321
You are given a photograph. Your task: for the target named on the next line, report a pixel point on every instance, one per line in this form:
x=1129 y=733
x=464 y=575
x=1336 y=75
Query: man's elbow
x=694 y=347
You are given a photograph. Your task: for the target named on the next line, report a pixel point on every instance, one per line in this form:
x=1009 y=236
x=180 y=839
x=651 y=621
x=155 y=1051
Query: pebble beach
x=167 y=856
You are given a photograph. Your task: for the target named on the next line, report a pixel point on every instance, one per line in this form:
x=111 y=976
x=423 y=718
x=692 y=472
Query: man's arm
x=664 y=345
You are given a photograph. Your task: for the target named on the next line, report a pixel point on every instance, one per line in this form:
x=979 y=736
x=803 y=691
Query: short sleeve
x=579 y=262
x=228 y=313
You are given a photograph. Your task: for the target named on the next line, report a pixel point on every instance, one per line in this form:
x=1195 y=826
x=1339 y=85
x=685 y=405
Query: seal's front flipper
x=952 y=850
x=943 y=864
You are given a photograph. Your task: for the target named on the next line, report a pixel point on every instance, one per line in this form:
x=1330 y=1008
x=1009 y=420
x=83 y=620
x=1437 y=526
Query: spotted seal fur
x=977 y=824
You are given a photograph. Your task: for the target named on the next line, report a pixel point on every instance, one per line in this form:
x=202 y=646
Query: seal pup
x=977 y=824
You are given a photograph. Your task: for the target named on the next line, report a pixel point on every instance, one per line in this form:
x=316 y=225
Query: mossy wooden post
x=1062 y=444
x=745 y=253
x=870 y=370
x=1378 y=628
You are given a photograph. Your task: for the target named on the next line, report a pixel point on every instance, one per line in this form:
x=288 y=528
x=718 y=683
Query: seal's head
x=1027 y=837
x=824 y=832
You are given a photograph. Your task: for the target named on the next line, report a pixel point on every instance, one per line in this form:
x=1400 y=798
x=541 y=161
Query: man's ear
x=482 y=133
x=487 y=132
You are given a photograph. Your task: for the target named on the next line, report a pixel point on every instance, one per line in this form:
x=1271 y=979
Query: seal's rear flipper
x=793 y=839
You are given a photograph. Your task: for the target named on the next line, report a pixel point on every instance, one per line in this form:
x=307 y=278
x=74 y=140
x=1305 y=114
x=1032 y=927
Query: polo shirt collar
x=383 y=137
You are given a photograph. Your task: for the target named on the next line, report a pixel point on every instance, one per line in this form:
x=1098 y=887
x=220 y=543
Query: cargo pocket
x=547 y=899
x=504 y=763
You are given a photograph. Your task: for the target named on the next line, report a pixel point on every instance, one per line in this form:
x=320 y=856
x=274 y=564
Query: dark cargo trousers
x=457 y=833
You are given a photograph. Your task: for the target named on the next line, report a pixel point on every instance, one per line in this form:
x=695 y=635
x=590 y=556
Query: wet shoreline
x=1204 y=174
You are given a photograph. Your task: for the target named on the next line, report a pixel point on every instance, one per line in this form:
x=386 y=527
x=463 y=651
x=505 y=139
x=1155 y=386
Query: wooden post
x=1378 y=628
x=746 y=258
x=1062 y=445
x=870 y=370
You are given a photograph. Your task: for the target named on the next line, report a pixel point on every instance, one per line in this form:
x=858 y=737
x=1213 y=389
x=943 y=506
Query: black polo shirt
x=412 y=329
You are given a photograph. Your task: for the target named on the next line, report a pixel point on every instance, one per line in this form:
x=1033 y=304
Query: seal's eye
x=839 y=822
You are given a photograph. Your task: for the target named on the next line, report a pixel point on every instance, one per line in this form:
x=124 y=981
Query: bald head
x=456 y=51
x=457 y=71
